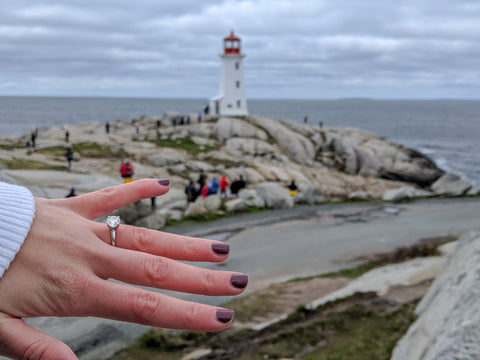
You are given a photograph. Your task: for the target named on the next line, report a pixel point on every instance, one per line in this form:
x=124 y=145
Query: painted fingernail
x=221 y=248
x=224 y=315
x=164 y=182
x=239 y=280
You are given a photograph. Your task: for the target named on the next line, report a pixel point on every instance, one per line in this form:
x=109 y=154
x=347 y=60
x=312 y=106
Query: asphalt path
x=277 y=245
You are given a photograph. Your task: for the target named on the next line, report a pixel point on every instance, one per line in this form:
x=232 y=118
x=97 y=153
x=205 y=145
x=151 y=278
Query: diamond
x=113 y=221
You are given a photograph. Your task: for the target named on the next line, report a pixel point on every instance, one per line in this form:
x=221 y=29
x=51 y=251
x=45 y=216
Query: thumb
x=21 y=341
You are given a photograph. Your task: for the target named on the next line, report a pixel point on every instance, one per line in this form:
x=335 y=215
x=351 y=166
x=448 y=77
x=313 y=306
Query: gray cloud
x=296 y=49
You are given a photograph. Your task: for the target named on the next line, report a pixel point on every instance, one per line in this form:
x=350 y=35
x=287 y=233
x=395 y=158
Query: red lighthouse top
x=231 y=44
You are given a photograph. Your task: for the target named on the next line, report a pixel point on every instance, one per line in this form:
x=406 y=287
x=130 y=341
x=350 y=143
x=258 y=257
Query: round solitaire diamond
x=113 y=221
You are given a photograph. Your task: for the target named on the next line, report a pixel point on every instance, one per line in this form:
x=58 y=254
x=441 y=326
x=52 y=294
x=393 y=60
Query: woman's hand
x=66 y=259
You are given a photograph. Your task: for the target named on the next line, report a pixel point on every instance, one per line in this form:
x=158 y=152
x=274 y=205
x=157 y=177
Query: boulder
x=274 y=195
x=296 y=146
x=310 y=196
x=154 y=221
x=251 y=198
x=360 y=195
x=135 y=211
x=404 y=193
x=236 y=205
x=228 y=128
x=244 y=146
x=451 y=185
x=168 y=157
x=448 y=323
x=201 y=205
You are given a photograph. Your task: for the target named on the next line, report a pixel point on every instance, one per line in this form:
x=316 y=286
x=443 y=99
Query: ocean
x=445 y=130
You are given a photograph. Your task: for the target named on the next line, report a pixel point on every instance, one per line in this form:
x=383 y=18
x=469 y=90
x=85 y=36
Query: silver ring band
x=113 y=222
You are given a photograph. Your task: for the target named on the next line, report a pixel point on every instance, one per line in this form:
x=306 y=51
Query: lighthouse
x=231 y=99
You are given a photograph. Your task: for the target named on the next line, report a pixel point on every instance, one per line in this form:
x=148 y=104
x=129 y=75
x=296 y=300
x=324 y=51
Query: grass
x=185 y=143
x=211 y=216
x=86 y=149
x=425 y=247
x=19 y=164
x=345 y=329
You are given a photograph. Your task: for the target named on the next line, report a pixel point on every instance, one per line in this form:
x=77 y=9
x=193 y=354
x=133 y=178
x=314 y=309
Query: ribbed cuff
x=17 y=210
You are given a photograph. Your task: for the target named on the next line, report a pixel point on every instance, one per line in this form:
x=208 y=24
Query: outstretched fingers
x=104 y=201
x=157 y=271
x=21 y=341
x=126 y=303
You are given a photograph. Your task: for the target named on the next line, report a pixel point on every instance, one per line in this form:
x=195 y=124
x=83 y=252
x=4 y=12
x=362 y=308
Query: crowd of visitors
x=204 y=188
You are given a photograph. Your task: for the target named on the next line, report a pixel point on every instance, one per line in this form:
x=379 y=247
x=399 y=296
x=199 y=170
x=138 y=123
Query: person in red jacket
x=223 y=185
x=204 y=191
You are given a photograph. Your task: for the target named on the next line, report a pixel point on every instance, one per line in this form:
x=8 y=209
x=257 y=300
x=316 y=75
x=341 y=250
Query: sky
x=296 y=49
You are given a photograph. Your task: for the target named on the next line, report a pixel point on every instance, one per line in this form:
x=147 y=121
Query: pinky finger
x=21 y=341
x=126 y=303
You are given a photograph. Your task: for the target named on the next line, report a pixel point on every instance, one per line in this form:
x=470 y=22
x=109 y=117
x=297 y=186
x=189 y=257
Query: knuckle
x=107 y=194
x=143 y=306
x=193 y=314
x=142 y=238
x=38 y=350
x=208 y=281
x=156 y=269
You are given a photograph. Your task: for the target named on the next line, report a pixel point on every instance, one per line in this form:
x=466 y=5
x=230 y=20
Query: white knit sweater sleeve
x=17 y=210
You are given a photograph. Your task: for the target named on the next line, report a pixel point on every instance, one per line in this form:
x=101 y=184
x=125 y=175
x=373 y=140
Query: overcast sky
x=295 y=49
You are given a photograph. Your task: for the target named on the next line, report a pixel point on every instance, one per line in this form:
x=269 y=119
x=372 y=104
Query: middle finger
x=138 y=268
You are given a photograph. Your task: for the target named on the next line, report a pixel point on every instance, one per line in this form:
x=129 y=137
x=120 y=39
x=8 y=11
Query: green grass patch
x=86 y=149
x=211 y=216
x=362 y=334
x=20 y=164
x=13 y=146
x=185 y=143
x=96 y=150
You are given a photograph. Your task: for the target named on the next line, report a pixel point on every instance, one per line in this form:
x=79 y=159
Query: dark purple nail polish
x=239 y=280
x=164 y=182
x=221 y=248
x=224 y=315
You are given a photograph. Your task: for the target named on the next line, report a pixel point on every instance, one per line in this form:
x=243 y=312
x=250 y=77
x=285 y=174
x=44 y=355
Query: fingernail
x=164 y=182
x=239 y=280
x=224 y=315
x=221 y=248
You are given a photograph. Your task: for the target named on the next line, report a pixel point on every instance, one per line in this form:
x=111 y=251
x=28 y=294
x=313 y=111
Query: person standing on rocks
x=69 y=156
x=223 y=185
x=202 y=179
x=107 y=127
x=126 y=170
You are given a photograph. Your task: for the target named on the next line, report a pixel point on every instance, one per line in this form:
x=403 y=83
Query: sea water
x=446 y=130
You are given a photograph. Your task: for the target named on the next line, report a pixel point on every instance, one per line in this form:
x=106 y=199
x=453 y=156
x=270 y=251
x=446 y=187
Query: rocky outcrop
x=448 y=326
x=326 y=163
x=451 y=185
x=274 y=195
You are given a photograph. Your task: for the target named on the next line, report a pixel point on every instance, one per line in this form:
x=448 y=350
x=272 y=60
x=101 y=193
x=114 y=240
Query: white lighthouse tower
x=231 y=99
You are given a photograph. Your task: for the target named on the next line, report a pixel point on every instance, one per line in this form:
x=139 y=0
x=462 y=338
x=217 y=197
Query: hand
x=64 y=264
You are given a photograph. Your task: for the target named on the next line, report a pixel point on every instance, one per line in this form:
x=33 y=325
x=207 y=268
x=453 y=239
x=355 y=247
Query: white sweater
x=17 y=210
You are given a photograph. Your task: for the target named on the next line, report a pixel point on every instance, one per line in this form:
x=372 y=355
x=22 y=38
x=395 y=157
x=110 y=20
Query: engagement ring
x=113 y=222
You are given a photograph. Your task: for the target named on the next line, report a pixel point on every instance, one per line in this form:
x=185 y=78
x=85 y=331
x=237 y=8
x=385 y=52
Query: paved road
x=278 y=245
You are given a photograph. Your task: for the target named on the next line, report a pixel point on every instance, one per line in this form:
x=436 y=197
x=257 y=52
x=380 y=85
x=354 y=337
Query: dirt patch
x=279 y=299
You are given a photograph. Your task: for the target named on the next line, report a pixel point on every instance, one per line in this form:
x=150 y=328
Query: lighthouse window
x=237 y=65
x=239 y=103
x=238 y=84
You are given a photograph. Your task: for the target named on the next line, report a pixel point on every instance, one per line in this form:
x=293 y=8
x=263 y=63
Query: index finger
x=104 y=201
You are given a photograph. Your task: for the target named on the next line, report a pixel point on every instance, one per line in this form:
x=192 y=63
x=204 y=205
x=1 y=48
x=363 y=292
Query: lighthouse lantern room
x=231 y=99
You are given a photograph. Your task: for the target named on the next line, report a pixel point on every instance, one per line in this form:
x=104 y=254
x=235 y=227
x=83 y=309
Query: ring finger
x=173 y=246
